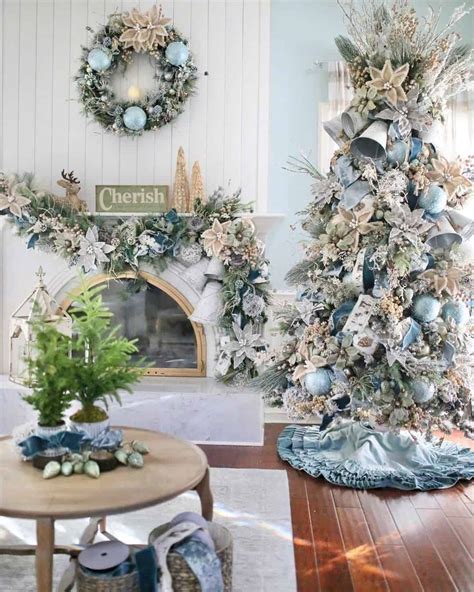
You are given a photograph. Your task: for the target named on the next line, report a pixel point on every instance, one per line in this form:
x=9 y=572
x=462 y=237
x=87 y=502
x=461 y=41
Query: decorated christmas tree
x=379 y=331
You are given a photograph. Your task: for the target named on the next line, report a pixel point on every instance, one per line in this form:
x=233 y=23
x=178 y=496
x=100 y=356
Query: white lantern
x=38 y=304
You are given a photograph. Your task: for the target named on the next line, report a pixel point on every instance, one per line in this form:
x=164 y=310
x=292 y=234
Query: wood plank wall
x=224 y=126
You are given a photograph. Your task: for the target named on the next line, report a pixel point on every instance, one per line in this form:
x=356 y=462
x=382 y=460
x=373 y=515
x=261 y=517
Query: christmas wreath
x=112 y=49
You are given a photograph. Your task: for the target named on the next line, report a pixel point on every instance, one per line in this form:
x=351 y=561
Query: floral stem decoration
x=216 y=229
x=111 y=50
x=388 y=82
x=381 y=331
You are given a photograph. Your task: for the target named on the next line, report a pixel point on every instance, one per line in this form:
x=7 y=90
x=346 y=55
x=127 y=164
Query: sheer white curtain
x=458 y=130
x=339 y=96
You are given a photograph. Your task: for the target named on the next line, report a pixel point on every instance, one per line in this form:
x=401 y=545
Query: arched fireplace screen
x=152 y=311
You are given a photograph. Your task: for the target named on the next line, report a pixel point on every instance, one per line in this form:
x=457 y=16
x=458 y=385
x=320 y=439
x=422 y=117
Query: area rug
x=253 y=503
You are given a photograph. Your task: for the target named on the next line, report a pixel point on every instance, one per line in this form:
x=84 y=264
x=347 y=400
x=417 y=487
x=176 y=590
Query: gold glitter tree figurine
x=181 y=194
x=198 y=190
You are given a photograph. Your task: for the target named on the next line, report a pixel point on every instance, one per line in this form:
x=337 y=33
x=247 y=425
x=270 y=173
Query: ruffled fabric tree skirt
x=355 y=455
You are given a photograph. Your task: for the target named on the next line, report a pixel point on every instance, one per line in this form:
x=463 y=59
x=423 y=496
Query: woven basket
x=183 y=578
x=90 y=583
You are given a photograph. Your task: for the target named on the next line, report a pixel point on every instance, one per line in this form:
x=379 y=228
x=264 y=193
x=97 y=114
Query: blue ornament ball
x=177 y=53
x=99 y=59
x=434 y=200
x=422 y=390
x=134 y=118
x=455 y=310
x=318 y=382
x=398 y=153
x=425 y=308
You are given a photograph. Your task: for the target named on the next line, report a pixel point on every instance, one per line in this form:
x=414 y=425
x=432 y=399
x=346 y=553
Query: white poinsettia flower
x=245 y=345
x=93 y=252
x=407 y=224
x=215 y=238
x=13 y=200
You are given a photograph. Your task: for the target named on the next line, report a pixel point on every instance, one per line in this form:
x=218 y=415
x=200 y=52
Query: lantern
x=38 y=304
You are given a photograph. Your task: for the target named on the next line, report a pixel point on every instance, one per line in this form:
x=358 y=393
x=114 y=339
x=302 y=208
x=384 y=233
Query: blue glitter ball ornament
x=99 y=59
x=456 y=311
x=422 y=390
x=134 y=118
x=318 y=382
x=398 y=153
x=434 y=200
x=425 y=308
x=177 y=53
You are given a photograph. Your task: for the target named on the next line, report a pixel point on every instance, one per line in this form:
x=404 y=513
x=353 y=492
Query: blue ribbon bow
x=33 y=445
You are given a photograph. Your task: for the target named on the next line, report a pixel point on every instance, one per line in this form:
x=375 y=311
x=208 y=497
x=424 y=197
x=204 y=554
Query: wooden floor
x=367 y=541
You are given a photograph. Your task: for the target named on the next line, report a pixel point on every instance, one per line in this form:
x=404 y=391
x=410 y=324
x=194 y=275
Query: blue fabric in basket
x=202 y=561
x=147 y=567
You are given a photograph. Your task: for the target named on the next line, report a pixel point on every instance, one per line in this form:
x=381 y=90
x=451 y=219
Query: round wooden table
x=172 y=467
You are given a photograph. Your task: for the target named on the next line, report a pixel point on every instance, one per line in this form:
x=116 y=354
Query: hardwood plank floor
x=346 y=540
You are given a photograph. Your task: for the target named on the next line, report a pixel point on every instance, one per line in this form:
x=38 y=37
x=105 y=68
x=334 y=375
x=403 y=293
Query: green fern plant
x=102 y=359
x=51 y=374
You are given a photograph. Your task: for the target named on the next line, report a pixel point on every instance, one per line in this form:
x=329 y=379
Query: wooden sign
x=142 y=199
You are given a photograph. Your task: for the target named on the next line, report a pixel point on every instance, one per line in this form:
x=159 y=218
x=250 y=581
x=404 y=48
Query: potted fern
x=101 y=361
x=51 y=375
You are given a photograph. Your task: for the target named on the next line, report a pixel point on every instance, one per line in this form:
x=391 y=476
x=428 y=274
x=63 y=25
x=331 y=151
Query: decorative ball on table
x=422 y=390
x=318 y=382
x=134 y=118
x=177 y=53
x=99 y=59
x=425 y=308
x=455 y=310
x=434 y=200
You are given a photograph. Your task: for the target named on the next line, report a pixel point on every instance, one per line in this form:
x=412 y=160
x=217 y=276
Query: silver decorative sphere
x=177 y=53
x=422 y=390
x=134 y=118
x=318 y=382
x=190 y=254
x=455 y=310
x=99 y=59
x=434 y=200
x=425 y=308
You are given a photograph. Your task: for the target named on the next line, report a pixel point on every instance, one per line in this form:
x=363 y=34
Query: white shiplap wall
x=224 y=126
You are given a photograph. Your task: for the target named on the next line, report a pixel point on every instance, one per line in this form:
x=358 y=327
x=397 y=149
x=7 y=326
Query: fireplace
x=151 y=310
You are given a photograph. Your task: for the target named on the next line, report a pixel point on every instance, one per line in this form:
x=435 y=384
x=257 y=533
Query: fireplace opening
x=154 y=313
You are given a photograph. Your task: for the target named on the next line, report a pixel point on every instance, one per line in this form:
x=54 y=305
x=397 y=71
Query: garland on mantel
x=214 y=229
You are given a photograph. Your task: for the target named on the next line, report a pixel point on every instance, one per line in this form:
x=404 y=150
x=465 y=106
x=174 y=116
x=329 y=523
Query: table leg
x=44 y=554
x=205 y=495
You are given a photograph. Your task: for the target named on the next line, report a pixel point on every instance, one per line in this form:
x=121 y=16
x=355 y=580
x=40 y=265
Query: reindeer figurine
x=72 y=187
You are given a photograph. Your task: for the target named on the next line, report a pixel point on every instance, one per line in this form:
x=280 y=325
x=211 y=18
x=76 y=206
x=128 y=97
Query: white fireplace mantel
x=18 y=266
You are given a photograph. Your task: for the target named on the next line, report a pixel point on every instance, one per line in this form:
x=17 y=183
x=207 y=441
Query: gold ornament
x=71 y=184
x=388 y=82
x=197 y=186
x=181 y=194
x=145 y=30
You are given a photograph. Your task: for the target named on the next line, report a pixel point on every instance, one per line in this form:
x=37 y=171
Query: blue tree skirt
x=358 y=456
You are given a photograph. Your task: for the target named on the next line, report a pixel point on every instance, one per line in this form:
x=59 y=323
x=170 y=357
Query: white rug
x=253 y=503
